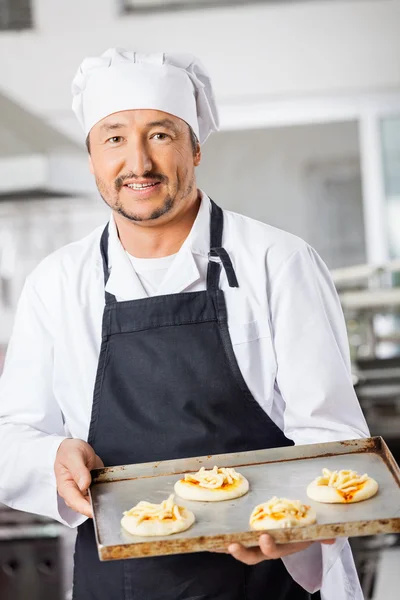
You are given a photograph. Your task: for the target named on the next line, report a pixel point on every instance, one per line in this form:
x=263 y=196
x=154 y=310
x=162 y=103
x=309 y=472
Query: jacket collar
x=123 y=281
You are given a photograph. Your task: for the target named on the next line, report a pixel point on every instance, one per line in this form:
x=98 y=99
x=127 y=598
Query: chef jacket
x=288 y=335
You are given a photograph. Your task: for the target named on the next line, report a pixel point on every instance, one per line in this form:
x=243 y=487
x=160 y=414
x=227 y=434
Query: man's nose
x=139 y=159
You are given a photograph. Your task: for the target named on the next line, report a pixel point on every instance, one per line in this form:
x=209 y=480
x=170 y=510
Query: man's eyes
x=115 y=139
x=160 y=136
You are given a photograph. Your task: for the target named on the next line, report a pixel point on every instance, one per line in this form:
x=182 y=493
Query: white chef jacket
x=288 y=335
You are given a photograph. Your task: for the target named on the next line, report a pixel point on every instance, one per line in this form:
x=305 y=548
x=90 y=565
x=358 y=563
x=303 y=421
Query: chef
x=176 y=330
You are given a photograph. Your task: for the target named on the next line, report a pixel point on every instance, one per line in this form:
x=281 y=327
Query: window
x=15 y=15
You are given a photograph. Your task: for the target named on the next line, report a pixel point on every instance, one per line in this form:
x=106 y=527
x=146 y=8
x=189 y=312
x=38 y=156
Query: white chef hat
x=120 y=80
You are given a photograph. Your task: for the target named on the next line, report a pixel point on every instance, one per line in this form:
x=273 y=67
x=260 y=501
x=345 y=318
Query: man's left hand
x=268 y=550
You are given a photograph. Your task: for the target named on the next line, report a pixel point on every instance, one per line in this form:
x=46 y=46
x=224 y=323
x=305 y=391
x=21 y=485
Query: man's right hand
x=74 y=461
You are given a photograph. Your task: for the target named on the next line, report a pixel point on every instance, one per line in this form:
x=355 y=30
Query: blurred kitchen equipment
x=30 y=557
x=371 y=305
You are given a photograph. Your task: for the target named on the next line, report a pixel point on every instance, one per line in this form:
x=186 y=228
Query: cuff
x=309 y=567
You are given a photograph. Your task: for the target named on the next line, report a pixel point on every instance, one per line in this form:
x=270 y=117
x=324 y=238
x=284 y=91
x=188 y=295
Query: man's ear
x=91 y=164
x=197 y=156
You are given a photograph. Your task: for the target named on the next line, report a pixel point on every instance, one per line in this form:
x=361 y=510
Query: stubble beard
x=115 y=204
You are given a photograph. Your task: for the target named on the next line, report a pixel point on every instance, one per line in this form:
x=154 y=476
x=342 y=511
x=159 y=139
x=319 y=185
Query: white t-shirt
x=151 y=271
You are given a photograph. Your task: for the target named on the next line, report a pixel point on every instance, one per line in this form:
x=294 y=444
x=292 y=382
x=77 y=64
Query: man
x=177 y=330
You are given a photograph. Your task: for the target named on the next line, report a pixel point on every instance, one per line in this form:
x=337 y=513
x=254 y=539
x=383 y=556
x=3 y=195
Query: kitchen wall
x=304 y=179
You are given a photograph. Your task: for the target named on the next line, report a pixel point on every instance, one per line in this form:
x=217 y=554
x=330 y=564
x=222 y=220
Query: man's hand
x=74 y=461
x=268 y=550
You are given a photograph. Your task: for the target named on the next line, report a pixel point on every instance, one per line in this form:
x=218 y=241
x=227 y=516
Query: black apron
x=168 y=386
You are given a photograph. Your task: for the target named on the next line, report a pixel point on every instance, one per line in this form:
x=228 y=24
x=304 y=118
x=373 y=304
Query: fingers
x=76 y=465
x=249 y=556
x=272 y=550
x=74 y=460
x=78 y=458
x=267 y=550
x=83 y=472
x=74 y=498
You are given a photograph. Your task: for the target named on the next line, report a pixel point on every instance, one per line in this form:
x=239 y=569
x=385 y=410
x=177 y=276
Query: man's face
x=143 y=162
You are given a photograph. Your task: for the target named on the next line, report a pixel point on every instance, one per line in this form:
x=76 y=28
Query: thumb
x=98 y=463
x=85 y=478
x=84 y=482
x=78 y=469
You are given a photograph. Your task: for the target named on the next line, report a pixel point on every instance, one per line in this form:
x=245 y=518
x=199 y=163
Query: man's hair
x=193 y=139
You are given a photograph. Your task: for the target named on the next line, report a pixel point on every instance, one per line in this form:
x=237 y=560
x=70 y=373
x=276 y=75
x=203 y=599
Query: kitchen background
x=309 y=98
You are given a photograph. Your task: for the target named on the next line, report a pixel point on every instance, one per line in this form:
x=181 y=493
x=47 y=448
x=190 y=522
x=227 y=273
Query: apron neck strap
x=216 y=225
x=104 y=256
x=218 y=256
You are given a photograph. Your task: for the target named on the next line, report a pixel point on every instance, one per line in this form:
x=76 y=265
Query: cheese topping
x=343 y=481
x=280 y=508
x=213 y=478
x=145 y=511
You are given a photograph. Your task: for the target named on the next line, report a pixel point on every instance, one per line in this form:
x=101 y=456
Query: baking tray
x=282 y=472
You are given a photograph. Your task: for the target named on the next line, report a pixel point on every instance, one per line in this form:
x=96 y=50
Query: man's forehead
x=142 y=117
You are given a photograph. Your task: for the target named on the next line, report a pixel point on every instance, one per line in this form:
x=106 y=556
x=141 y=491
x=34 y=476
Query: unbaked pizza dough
x=146 y=519
x=212 y=485
x=341 y=487
x=280 y=513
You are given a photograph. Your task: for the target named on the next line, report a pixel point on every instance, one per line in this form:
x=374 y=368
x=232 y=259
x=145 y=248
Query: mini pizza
x=146 y=519
x=341 y=487
x=212 y=485
x=282 y=513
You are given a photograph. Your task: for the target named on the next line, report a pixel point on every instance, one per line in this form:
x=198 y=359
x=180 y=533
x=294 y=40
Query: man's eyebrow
x=111 y=126
x=168 y=123
x=163 y=123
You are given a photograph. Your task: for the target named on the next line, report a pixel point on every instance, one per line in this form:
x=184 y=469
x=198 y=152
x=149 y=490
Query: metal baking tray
x=282 y=472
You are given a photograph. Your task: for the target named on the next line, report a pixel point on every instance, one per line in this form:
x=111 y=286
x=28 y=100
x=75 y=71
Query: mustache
x=149 y=176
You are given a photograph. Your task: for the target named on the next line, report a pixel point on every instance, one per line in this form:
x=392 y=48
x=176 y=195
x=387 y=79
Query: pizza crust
x=281 y=513
x=342 y=487
x=147 y=520
x=212 y=485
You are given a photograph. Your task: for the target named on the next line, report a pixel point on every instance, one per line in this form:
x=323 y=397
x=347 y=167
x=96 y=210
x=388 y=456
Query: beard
x=112 y=198
x=158 y=212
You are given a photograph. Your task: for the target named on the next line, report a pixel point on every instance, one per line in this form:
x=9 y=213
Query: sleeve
x=31 y=422
x=312 y=353
x=313 y=378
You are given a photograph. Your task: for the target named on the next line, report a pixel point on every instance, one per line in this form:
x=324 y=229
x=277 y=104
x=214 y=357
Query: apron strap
x=110 y=298
x=225 y=259
x=217 y=254
x=216 y=225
